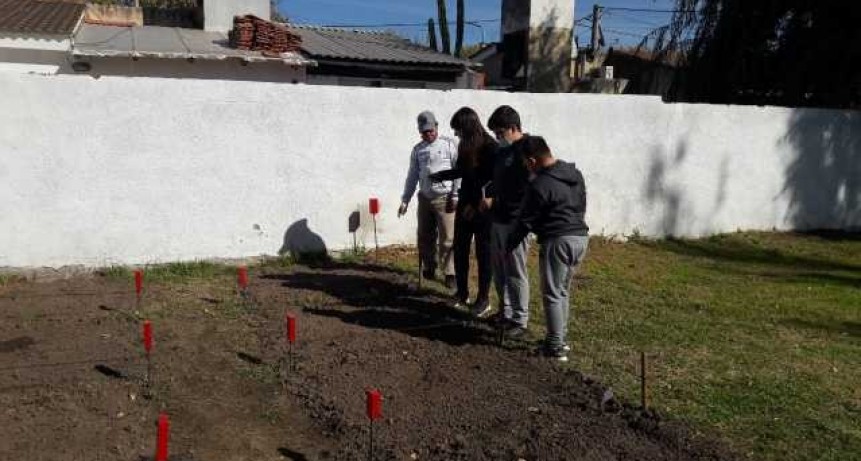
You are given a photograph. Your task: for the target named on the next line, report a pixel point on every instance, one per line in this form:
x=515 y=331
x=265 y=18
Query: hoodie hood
x=565 y=172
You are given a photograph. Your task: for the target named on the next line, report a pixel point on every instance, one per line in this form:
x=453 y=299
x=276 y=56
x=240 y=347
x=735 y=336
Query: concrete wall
x=218 y=14
x=118 y=170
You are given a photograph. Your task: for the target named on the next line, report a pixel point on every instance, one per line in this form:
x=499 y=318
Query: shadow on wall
x=660 y=192
x=823 y=181
x=300 y=241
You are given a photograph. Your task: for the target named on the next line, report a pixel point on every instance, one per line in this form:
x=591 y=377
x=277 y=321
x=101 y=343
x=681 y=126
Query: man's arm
x=412 y=179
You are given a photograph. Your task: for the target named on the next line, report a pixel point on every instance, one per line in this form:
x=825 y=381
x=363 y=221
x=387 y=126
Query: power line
x=405 y=24
x=636 y=20
x=646 y=10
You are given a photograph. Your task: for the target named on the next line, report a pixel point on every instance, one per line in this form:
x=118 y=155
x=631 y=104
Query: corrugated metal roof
x=57 y=17
x=166 y=43
x=328 y=43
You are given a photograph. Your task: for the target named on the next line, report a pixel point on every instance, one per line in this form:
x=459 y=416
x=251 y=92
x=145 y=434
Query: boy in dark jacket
x=554 y=211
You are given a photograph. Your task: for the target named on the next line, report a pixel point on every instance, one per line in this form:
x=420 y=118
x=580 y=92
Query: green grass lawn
x=754 y=336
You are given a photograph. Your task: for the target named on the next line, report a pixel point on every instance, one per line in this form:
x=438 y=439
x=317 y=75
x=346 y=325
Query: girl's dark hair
x=472 y=136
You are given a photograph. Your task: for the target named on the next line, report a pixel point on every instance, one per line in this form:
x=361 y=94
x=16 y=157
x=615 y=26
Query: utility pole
x=596 y=28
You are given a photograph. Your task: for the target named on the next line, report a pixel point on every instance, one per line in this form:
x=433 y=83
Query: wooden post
x=644 y=390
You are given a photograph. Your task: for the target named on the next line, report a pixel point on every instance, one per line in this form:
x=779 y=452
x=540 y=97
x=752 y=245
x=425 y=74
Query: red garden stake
x=290 y=327
x=163 y=436
x=147 y=340
x=138 y=286
x=242 y=281
x=375 y=412
x=374 y=209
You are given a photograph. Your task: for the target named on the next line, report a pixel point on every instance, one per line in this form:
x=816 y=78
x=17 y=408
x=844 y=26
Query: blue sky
x=620 y=27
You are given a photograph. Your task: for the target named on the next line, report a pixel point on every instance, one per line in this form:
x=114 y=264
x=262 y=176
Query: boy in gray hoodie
x=554 y=210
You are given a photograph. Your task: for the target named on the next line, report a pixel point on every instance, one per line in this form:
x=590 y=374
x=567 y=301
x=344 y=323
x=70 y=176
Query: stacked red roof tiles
x=252 y=33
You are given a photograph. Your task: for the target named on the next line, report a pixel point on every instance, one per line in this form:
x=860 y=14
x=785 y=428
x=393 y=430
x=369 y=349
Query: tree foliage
x=781 y=52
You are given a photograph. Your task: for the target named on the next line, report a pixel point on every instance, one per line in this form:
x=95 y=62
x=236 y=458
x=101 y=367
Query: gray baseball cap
x=427 y=121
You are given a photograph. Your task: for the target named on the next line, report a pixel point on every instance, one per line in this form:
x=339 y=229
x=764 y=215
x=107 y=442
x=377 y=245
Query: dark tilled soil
x=451 y=392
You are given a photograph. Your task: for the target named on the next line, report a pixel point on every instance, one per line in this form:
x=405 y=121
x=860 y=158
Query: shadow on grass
x=852 y=329
x=387 y=305
x=735 y=250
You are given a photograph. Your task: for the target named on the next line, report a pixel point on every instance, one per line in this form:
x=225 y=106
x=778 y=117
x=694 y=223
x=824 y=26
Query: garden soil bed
x=72 y=366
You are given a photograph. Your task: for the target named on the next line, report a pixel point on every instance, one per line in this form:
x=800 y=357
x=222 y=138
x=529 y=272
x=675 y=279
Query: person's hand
x=450 y=205
x=468 y=212
x=402 y=210
x=485 y=204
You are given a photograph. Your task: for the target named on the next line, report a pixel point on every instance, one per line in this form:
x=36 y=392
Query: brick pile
x=256 y=34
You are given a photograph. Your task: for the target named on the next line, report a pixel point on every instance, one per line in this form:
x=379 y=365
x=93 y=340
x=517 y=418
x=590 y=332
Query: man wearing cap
x=437 y=200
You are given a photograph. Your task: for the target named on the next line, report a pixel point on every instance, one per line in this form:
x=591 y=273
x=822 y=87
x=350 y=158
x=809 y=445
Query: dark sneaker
x=514 y=331
x=429 y=275
x=542 y=346
x=498 y=319
x=481 y=308
x=559 y=354
x=450 y=282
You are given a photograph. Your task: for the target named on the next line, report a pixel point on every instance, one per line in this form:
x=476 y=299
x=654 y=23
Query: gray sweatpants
x=509 y=274
x=558 y=261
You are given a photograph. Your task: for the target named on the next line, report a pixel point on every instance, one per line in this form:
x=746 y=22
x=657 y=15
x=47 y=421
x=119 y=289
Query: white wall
x=119 y=170
x=218 y=14
x=555 y=14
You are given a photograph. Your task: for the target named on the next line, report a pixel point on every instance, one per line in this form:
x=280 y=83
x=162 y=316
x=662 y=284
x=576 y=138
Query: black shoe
x=450 y=282
x=497 y=319
x=559 y=354
x=514 y=331
x=481 y=308
x=429 y=275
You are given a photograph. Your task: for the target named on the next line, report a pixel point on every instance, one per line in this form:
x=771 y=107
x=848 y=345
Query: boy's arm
x=531 y=209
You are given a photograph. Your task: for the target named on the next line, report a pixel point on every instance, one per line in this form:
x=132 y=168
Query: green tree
x=780 y=52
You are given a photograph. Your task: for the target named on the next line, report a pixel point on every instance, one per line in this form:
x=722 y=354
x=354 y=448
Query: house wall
x=32 y=54
x=228 y=69
x=218 y=14
x=120 y=170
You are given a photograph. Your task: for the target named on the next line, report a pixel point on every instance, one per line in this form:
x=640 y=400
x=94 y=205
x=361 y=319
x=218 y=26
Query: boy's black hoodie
x=555 y=205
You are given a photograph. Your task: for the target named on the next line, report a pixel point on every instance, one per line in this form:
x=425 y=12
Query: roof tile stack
x=242 y=35
x=253 y=33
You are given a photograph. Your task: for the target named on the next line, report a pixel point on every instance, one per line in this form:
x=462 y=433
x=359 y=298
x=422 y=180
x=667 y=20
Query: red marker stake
x=290 y=324
x=374 y=412
x=147 y=340
x=242 y=279
x=163 y=436
x=138 y=285
x=374 y=209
